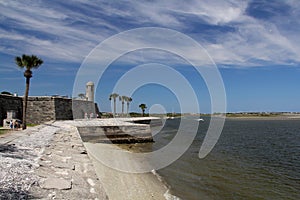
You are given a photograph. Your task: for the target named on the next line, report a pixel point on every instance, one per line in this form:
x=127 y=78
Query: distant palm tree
x=128 y=100
x=122 y=99
x=82 y=96
x=29 y=63
x=114 y=97
x=143 y=107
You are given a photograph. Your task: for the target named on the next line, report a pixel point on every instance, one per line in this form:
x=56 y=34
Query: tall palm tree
x=128 y=100
x=143 y=107
x=114 y=97
x=29 y=63
x=122 y=99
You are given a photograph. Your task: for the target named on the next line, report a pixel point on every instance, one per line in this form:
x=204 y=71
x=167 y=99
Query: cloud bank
x=234 y=33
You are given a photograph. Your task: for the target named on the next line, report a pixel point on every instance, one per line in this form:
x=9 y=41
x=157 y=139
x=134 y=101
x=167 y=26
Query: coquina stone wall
x=82 y=109
x=42 y=109
x=63 y=108
x=8 y=103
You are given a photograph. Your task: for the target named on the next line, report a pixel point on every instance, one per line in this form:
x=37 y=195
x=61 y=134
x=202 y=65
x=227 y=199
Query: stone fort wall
x=42 y=109
x=8 y=103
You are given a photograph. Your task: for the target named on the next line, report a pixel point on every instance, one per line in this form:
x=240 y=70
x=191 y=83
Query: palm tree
x=123 y=99
x=143 y=107
x=128 y=100
x=114 y=97
x=82 y=96
x=29 y=63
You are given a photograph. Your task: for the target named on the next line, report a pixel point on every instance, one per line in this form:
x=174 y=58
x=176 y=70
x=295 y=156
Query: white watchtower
x=90 y=91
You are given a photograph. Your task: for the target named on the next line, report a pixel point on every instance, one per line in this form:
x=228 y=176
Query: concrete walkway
x=47 y=162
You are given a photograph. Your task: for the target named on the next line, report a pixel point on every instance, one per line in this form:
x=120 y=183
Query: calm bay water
x=253 y=159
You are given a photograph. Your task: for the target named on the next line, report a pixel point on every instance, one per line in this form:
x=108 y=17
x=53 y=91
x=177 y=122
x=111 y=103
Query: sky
x=251 y=46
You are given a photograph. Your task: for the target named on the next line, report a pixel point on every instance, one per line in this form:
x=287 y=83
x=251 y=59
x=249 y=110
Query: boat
x=173 y=114
x=200 y=120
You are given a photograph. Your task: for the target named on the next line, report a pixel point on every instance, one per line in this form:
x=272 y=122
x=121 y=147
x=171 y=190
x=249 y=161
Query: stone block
x=56 y=183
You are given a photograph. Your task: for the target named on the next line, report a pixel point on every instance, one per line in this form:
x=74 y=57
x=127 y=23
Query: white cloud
x=45 y=31
x=216 y=12
x=69 y=31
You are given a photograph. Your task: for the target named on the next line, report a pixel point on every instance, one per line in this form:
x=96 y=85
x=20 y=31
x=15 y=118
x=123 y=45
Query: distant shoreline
x=250 y=116
x=279 y=117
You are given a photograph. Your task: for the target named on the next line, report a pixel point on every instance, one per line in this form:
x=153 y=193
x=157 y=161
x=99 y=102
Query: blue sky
x=254 y=44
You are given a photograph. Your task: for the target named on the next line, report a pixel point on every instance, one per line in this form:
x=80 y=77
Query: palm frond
x=113 y=96
x=19 y=62
x=28 y=62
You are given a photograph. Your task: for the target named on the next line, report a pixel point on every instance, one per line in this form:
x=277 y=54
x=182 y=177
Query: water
x=253 y=159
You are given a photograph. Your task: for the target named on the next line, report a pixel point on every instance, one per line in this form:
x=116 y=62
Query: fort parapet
x=46 y=108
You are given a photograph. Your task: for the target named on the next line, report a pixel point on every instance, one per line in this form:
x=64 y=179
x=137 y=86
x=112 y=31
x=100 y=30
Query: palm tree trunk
x=127 y=108
x=25 y=103
x=122 y=108
x=115 y=107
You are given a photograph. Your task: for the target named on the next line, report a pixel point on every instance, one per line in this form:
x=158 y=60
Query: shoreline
x=264 y=117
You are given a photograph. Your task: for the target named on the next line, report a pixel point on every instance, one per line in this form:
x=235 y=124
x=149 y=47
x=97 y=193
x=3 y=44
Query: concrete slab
x=120 y=185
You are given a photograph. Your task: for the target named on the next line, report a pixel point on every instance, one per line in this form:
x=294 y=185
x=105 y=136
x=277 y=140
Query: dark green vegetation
x=143 y=107
x=7 y=93
x=254 y=114
x=134 y=114
x=29 y=63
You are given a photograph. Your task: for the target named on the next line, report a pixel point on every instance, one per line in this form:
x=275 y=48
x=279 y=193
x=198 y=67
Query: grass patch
x=31 y=125
x=2 y=131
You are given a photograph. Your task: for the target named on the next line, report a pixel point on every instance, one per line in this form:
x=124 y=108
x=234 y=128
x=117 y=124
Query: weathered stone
x=56 y=183
x=8 y=103
x=64 y=165
x=43 y=109
x=91 y=182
